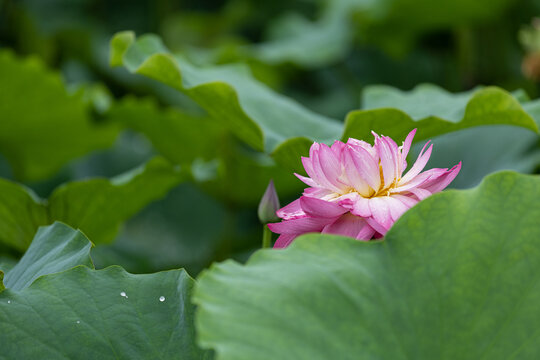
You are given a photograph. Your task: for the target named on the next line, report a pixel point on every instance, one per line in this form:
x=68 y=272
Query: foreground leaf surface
x=97 y=206
x=54 y=249
x=82 y=313
x=455 y=278
x=43 y=127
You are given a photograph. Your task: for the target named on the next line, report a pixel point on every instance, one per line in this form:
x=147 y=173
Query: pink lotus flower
x=359 y=190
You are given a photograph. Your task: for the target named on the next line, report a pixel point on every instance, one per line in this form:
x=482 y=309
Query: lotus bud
x=269 y=205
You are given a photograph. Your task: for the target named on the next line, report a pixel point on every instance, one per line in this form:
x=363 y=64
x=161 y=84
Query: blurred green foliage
x=66 y=115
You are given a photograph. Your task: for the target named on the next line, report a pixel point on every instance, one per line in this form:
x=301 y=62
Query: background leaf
x=22 y=212
x=181 y=234
x=218 y=163
x=100 y=206
x=38 y=143
x=482 y=150
x=294 y=38
x=433 y=111
x=441 y=112
x=256 y=114
x=455 y=278
x=395 y=25
x=179 y=136
x=97 y=206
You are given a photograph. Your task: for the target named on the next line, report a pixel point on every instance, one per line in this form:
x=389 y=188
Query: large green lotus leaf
x=232 y=172
x=54 y=249
x=43 y=127
x=21 y=213
x=455 y=278
x=423 y=101
x=82 y=313
x=295 y=39
x=288 y=154
x=256 y=114
x=97 y=206
x=7 y=263
x=178 y=136
x=482 y=150
x=100 y=206
x=185 y=227
x=289 y=38
x=433 y=111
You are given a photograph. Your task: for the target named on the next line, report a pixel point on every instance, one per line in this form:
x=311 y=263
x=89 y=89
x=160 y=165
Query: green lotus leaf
x=229 y=94
x=54 y=249
x=21 y=213
x=434 y=112
x=97 y=206
x=179 y=136
x=43 y=126
x=58 y=307
x=295 y=39
x=219 y=163
x=482 y=150
x=250 y=110
x=455 y=278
